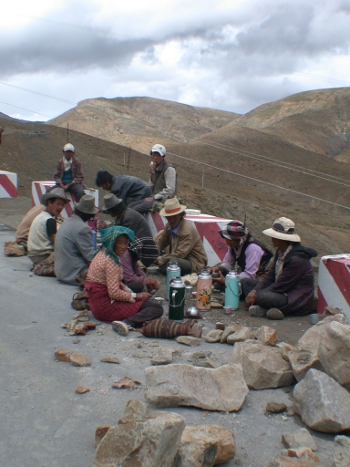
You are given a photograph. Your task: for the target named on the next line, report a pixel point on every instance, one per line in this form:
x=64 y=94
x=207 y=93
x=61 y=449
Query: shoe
x=274 y=313
x=120 y=327
x=257 y=311
x=81 y=304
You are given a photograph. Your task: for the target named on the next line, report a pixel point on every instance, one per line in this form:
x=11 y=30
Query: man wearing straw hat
x=288 y=287
x=73 y=246
x=182 y=240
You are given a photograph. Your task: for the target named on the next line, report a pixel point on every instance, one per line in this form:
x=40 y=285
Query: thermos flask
x=233 y=290
x=203 y=298
x=177 y=299
x=173 y=270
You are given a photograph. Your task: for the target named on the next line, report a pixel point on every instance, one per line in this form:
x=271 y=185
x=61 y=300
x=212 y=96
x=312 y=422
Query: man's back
x=134 y=221
x=129 y=188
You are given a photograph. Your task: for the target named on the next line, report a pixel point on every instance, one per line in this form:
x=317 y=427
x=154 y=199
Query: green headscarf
x=109 y=236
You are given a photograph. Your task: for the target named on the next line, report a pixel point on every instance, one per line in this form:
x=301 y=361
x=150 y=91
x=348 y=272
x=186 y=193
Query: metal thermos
x=233 y=290
x=173 y=270
x=177 y=299
x=203 y=298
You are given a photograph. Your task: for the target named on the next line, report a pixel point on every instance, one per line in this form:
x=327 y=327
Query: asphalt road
x=44 y=423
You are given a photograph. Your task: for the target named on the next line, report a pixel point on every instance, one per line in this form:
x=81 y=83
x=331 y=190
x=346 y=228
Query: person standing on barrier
x=163 y=180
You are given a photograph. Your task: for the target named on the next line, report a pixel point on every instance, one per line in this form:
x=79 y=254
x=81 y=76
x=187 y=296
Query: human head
x=234 y=233
x=110 y=235
x=158 y=153
x=86 y=208
x=55 y=206
x=52 y=194
x=104 y=179
x=68 y=151
x=173 y=211
x=112 y=205
x=283 y=229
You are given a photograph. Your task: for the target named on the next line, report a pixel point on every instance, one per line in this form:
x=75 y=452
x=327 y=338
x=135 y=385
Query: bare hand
x=150 y=198
x=101 y=224
x=156 y=261
x=145 y=296
x=250 y=298
x=214 y=269
x=221 y=279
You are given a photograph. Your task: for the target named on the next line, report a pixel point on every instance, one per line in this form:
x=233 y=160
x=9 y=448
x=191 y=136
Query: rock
x=189 y=340
x=214 y=335
x=163 y=357
x=303 y=453
x=220 y=325
x=141 y=438
x=79 y=359
x=100 y=432
x=228 y=331
x=110 y=360
x=70 y=325
x=240 y=335
x=63 y=355
x=207 y=362
x=196 y=355
x=90 y=325
x=222 y=389
x=283 y=461
x=341 y=456
x=322 y=403
x=82 y=316
x=126 y=383
x=331 y=310
x=263 y=366
x=80 y=328
x=299 y=438
x=216 y=305
x=81 y=390
x=286 y=348
x=275 y=407
x=205 y=445
x=266 y=335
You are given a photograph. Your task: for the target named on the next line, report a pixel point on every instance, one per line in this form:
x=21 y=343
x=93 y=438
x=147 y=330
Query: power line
x=28 y=110
x=38 y=93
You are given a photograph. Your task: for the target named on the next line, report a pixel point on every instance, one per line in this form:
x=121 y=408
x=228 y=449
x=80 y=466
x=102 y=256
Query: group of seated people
x=272 y=285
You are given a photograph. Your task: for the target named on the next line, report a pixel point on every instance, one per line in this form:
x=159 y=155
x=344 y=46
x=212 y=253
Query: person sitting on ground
x=143 y=245
x=42 y=233
x=69 y=174
x=288 y=287
x=109 y=299
x=163 y=180
x=74 y=249
x=125 y=187
x=244 y=252
x=133 y=275
x=181 y=239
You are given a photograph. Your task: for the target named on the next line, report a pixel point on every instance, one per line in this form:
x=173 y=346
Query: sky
x=225 y=54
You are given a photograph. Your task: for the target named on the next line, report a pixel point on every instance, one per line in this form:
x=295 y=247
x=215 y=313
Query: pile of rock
x=152 y=438
x=80 y=324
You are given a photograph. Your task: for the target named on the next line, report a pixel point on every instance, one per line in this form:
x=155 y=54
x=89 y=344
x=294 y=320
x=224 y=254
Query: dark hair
x=83 y=215
x=103 y=176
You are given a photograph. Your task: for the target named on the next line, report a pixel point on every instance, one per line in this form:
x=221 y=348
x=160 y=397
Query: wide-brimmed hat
x=110 y=202
x=56 y=193
x=234 y=230
x=159 y=148
x=68 y=147
x=283 y=229
x=172 y=207
x=87 y=205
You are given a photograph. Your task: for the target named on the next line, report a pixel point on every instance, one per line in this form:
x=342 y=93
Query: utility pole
x=67 y=133
x=1 y=131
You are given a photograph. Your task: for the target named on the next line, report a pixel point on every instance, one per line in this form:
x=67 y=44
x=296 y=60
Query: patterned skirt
x=105 y=309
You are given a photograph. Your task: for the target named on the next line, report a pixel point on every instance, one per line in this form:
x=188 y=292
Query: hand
x=150 y=198
x=214 y=269
x=101 y=224
x=61 y=185
x=250 y=298
x=220 y=279
x=156 y=261
x=145 y=296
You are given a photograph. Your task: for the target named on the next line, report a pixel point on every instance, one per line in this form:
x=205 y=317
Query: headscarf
x=109 y=236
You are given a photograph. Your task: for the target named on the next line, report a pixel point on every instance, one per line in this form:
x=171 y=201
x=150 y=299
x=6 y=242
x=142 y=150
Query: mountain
x=140 y=122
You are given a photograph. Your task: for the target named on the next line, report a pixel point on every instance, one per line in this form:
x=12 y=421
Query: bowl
x=152 y=269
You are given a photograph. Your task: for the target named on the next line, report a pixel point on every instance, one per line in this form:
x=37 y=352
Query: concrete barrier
x=8 y=184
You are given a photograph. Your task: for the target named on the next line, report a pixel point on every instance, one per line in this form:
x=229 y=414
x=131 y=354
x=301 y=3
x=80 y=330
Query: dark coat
x=296 y=280
x=77 y=172
x=130 y=189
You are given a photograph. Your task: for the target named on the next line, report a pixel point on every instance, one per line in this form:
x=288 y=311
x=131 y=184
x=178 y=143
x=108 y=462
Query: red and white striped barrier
x=39 y=188
x=207 y=227
x=8 y=184
x=334 y=283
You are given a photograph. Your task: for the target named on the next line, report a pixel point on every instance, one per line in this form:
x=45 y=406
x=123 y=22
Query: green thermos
x=177 y=299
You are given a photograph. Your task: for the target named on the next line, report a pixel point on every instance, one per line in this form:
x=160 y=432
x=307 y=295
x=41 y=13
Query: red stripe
x=321 y=305
x=210 y=232
x=8 y=186
x=341 y=275
x=158 y=222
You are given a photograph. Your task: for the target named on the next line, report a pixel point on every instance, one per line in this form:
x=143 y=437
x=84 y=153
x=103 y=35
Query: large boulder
x=222 y=388
x=322 y=403
x=205 y=445
x=141 y=437
x=263 y=366
x=323 y=347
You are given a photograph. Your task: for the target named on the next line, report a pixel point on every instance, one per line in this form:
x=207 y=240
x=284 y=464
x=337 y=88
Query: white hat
x=172 y=207
x=283 y=229
x=68 y=147
x=160 y=149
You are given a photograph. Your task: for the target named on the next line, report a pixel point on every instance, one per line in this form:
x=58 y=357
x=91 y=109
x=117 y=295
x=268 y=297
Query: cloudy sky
x=226 y=54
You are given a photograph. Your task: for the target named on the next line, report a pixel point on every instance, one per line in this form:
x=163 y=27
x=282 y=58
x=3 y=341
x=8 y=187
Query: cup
x=189 y=290
x=159 y=300
x=227 y=310
x=314 y=318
